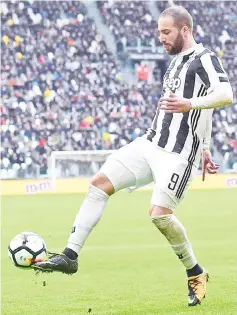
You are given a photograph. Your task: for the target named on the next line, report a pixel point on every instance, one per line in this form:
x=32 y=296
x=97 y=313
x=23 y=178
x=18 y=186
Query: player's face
x=170 y=36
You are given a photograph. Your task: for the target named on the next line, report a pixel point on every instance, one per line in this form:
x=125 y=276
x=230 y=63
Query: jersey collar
x=190 y=50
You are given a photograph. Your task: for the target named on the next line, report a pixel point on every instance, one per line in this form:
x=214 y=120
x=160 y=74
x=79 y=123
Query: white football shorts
x=140 y=163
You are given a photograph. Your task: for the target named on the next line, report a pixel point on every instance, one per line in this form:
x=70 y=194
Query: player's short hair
x=180 y=15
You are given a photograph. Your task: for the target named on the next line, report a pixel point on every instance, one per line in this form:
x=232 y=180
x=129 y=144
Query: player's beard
x=177 y=46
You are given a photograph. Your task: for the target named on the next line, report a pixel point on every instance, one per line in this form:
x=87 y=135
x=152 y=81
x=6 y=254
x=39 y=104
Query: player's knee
x=161 y=217
x=102 y=182
x=158 y=210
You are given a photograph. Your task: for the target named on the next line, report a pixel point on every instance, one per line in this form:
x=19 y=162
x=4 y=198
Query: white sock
x=87 y=217
x=175 y=233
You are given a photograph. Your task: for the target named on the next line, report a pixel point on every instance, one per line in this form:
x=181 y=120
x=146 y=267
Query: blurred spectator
x=130 y=22
x=142 y=72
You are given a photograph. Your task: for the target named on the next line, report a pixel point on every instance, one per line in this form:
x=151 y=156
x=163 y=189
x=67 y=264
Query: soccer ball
x=27 y=248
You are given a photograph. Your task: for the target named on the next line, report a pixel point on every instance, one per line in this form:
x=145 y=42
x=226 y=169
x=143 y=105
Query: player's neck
x=188 y=45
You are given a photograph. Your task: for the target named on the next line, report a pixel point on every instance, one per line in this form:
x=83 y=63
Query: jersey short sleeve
x=211 y=71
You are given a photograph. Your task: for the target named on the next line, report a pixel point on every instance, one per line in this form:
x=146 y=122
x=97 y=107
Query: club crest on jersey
x=173 y=83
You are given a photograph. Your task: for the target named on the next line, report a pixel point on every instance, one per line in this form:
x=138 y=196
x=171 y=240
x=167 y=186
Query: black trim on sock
x=195 y=271
x=70 y=253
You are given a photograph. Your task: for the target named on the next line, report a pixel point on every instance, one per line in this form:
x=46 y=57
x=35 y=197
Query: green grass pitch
x=126 y=266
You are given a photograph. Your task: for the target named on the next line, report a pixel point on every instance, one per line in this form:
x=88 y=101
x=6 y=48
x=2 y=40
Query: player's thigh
x=173 y=175
x=127 y=167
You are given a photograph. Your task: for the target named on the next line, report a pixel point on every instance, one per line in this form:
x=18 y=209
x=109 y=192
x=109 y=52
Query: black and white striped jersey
x=192 y=73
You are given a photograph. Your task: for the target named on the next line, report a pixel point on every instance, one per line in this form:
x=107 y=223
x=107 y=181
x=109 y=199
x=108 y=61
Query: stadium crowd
x=130 y=22
x=63 y=90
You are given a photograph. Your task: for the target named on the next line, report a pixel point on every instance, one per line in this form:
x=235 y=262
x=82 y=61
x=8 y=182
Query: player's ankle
x=195 y=271
x=70 y=253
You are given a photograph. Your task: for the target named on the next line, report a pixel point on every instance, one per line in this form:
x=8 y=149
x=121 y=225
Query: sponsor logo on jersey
x=172 y=83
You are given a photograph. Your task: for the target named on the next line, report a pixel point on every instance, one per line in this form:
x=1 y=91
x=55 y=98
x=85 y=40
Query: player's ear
x=185 y=30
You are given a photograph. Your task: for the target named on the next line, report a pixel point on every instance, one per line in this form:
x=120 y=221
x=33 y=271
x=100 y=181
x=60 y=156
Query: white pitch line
x=118 y=247
x=142 y=246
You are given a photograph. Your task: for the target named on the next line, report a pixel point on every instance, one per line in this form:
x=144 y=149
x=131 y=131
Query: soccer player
x=168 y=154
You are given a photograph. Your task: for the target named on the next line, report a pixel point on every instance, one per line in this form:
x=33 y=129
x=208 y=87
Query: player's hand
x=175 y=104
x=208 y=165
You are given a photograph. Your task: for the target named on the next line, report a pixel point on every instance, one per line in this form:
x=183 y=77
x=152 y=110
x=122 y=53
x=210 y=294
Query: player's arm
x=220 y=96
x=208 y=165
x=214 y=77
x=216 y=83
x=208 y=130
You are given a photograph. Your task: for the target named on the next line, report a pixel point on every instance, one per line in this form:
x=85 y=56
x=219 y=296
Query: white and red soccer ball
x=27 y=248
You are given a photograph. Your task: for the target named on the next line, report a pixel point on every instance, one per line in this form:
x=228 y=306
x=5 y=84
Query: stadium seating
x=130 y=21
x=62 y=89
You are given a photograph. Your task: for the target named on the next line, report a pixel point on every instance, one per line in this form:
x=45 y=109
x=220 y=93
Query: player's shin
x=87 y=217
x=175 y=233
